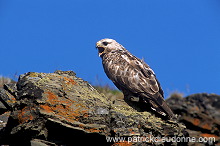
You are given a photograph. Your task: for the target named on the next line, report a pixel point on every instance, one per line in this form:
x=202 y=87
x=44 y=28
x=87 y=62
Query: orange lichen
x=52 y=98
x=196 y=121
x=64 y=108
x=93 y=130
x=124 y=143
x=195 y=108
x=46 y=108
x=85 y=115
x=11 y=98
x=208 y=135
x=25 y=115
x=131 y=130
x=69 y=81
x=207 y=126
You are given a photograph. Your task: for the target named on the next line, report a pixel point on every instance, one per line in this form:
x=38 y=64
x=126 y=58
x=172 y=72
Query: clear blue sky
x=179 y=39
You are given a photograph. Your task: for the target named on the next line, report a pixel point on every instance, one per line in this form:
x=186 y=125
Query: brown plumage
x=132 y=76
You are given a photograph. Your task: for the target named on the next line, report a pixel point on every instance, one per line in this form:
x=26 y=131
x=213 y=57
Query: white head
x=105 y=46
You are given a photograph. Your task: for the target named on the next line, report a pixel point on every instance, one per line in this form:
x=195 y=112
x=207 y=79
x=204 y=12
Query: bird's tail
x=159 y=105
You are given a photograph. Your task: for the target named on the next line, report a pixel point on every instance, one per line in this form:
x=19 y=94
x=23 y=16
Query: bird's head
x=105 y=46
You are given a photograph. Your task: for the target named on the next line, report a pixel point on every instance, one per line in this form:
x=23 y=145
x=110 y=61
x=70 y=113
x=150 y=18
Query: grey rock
x=62 y=109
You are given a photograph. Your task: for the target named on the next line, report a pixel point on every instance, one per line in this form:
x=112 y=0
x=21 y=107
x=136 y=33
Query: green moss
x=109 y=92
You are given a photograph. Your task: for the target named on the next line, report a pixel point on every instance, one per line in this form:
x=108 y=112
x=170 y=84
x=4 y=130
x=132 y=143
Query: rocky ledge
x=200 y=113
x=61 y=109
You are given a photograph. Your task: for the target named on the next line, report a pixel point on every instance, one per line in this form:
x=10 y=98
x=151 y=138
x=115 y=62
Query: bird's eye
x=105 y=43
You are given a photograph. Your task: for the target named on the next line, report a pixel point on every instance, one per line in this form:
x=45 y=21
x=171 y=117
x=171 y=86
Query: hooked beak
x=100 y=48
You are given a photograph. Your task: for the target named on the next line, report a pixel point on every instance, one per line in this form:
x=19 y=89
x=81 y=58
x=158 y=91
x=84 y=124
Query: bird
x=133 y=77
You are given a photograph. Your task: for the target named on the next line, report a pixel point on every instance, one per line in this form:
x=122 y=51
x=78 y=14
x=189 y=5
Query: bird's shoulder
x=124 y=59
x=122 y=65
x=137 y=64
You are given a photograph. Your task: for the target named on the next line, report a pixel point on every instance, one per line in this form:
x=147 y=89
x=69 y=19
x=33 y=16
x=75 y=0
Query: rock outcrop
x=201 y=115
x=62 y=109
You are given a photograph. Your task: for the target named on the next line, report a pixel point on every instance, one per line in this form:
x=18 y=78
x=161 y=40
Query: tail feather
x=159 y=105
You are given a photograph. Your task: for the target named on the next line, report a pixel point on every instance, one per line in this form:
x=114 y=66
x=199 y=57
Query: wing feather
x=128 y=71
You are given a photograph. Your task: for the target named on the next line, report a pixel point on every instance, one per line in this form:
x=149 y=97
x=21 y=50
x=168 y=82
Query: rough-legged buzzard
x=133 y=77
